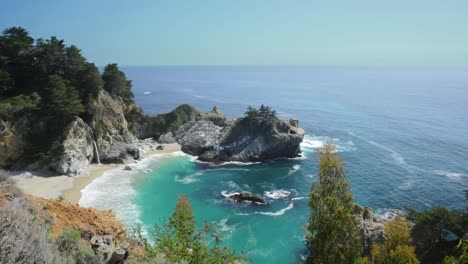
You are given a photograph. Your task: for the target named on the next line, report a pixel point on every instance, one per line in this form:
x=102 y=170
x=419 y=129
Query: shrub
x=68 y=239
x=23 y=237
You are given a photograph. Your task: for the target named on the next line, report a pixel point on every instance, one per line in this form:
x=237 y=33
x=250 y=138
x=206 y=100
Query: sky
x=252 y=32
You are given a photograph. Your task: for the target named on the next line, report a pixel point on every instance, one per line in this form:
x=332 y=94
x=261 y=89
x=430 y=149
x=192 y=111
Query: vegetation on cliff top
x=47 y=82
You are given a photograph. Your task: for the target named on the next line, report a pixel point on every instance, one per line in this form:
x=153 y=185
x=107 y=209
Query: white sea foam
x=294 y=169
x=312 y=143
x=278 y=213
x=228 y=194
x=388 y=214
x=97 y=194
x=451 y=175
x=277 y=194
x=298 y=198
x=188 y=179
x=224 y=227
x=396 y=156
x=147 y=93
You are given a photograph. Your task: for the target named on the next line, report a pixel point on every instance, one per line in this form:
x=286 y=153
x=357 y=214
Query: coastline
x=48 y=185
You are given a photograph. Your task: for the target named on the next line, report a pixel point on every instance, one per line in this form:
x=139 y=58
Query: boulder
x=167 y=138
x=371 y=227
x=76 y=151
x=160 y=147
x=247 y=197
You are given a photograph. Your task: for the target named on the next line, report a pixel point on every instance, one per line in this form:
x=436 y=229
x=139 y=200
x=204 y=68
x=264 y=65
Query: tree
x=180 y=240
x=116 y=84
x=432 y=230
x=397 y=249
x=15 y=61
x=331 y=235
x=89 y=81
x=50 y=56
x=14 y=41
x=62 y=99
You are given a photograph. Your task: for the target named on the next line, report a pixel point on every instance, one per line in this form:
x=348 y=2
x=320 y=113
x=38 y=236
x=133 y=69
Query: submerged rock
x=247 y=197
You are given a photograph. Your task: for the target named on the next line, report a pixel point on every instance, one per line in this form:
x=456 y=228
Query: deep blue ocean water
x=402 y=133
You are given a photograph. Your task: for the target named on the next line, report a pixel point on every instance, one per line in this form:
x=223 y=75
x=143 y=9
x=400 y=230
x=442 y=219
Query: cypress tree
x=331 y=235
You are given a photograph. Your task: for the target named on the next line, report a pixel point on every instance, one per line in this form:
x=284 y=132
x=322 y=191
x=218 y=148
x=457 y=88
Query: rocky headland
x=214 y=138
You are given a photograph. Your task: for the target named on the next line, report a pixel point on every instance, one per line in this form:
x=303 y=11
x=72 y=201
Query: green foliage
x=68 y=239
x=170 y=122
x=86 y=255
x=331 y=235
x=397 y=249
x=116 y=84
x=61 y=98
x=179 y=240
x=263 y=113
x=463 y=258
x=10 y=106
x=89 y=81
x=432 y=228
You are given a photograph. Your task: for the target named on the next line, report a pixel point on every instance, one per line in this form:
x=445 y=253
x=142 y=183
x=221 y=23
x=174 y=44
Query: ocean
x=401 y=132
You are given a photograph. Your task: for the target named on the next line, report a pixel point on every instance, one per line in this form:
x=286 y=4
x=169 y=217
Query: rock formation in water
x=213 y=138
x=247 y=197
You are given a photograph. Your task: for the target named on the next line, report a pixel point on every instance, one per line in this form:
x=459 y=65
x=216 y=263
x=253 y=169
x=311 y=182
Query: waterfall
x=95 y=148
x=97 y=153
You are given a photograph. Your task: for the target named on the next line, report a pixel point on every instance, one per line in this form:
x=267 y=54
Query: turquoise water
x=401 y=133
x=266 y=233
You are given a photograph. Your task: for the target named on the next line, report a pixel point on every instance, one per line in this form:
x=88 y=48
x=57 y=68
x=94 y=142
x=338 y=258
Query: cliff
x=213 y=138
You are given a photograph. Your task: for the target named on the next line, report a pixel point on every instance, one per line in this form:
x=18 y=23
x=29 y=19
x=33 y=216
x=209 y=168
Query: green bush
x=68 y=239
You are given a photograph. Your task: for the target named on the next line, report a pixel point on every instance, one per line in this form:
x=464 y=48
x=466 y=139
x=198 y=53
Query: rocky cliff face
x=12 y=144
x=371 y=227
x=76 y=151
x=214 y=138
x=115 y=143
x=34 y=141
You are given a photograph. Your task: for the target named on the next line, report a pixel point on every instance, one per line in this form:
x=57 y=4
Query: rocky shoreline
x=109 y=138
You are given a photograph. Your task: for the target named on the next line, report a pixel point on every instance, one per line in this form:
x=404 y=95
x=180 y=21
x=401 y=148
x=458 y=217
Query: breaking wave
x=277 y=194
x=311 y=143
x=278 y=213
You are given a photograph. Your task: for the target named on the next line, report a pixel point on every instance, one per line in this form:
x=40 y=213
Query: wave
x=278 y=213
x=238 y=163
x=294 y=169
x=396 y=156
x=388 y=214
x=311 y=143
x=188 y=179
x=147 y=93
x=277 y=194
x=298 y=198
x=451 y=175
x=97 y=195
x=228 y=194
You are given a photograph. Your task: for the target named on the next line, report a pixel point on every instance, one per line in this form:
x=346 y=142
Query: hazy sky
x=252 y=32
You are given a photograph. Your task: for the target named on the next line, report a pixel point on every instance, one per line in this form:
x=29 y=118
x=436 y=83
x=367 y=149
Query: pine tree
x=332 y=235
x=62 y=99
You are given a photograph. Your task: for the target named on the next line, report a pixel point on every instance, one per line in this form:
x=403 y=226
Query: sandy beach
x=49 y=185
